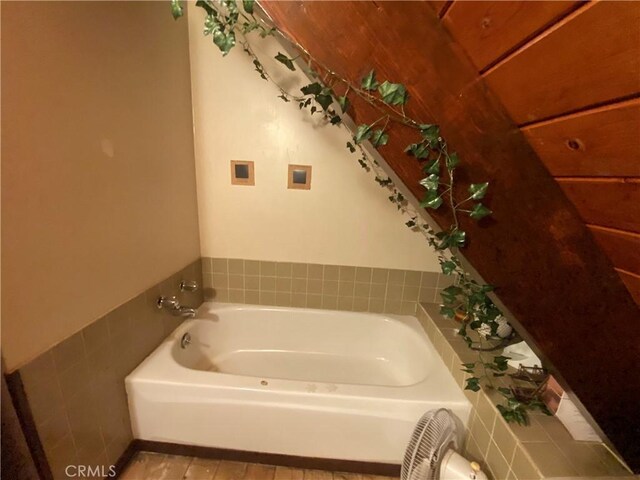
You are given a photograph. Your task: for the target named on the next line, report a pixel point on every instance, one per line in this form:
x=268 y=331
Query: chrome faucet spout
x=185 y=312
x=173 y=305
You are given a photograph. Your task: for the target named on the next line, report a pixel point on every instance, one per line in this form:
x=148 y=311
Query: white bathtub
x=311 y=383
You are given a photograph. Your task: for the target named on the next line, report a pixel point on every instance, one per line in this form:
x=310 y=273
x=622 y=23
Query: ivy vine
x=466 y=299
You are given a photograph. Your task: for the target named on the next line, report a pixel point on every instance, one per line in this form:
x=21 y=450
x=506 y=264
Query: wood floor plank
x=156 y=466
x=230 y=471
x=142 y=466
x=287 y=473
x=346 y=476
x=173 y=467
x=257 y=471
x=317 y=475
x=202 y=469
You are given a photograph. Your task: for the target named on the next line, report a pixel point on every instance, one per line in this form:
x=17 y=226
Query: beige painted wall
x=98 y=176
x=344 y=219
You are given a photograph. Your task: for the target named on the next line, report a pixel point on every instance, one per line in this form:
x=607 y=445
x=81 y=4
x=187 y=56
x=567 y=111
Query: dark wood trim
x=28 y=424
x=125 y=458
x=334 y=465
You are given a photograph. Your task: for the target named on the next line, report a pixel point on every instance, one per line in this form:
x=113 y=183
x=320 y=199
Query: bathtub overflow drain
x=185 y=340
x=264 y=382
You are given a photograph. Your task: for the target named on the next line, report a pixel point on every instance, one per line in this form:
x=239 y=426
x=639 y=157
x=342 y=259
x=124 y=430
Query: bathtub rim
x=167 y=370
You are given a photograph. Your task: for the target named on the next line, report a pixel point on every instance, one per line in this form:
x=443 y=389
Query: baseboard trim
x=334 y=465
x=124 y=459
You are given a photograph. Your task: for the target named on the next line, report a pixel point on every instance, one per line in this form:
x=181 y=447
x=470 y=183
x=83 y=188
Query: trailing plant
x=466 y=299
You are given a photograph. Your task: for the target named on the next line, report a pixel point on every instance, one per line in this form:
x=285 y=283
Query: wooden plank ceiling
x=541 y=100
x=569 y=75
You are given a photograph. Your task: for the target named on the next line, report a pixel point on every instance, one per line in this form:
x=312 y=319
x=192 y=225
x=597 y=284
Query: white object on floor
x=431 y=453
x=521 y=354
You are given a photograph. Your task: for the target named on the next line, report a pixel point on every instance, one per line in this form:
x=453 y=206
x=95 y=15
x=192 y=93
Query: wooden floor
x=158 y=466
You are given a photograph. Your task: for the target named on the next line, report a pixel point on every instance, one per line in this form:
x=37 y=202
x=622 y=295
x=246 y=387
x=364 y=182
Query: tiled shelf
x=542 y=450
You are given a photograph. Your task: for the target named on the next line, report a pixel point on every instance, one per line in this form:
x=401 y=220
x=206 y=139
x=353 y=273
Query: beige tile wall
x=320 y=286
x=76 y=389
x=544 y=449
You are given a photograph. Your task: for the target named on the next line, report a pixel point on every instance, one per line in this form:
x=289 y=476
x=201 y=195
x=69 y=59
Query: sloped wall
x=345 y=219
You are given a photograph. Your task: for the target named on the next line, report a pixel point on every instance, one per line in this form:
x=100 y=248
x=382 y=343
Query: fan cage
x=434 y=434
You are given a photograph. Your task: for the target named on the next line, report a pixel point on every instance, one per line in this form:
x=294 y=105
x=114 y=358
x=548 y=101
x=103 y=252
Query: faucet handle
x=188 y=286
x=170 y=303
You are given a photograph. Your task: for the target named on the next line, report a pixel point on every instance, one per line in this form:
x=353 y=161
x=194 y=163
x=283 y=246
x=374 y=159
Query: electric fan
x=431 y=452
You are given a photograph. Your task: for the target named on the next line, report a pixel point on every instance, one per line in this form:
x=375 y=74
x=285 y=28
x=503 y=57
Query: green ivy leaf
x=479 y=211
x=369 y=82
x=325 y=100
x=384 y=182
x=431 y=133
x=452 y=290
x=473 y=384
x=478 y=190
x=433 y=166
x=393 y=93
x=335 y=119
x=448 y=267
x=208 y=8
x=211 y=24
x=469 y=365
x=501 y=363
x=418 y=150
x=452 y=161
x=351 y=147
x=457 y=238
x=379 y=138
x=410 y=224
x=344 y=103
x=286 y=61
x=224 y=41
x=312 y=89
x=264 y=33
x=248 y=6
x=284 y=98
x=176 y=9
x=249 y=27
x=431 y=182
x=362 y=133
x=431 y=200
x=260 y=69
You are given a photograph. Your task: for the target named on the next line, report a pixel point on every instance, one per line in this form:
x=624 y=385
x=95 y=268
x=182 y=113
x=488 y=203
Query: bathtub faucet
x=173 y=305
